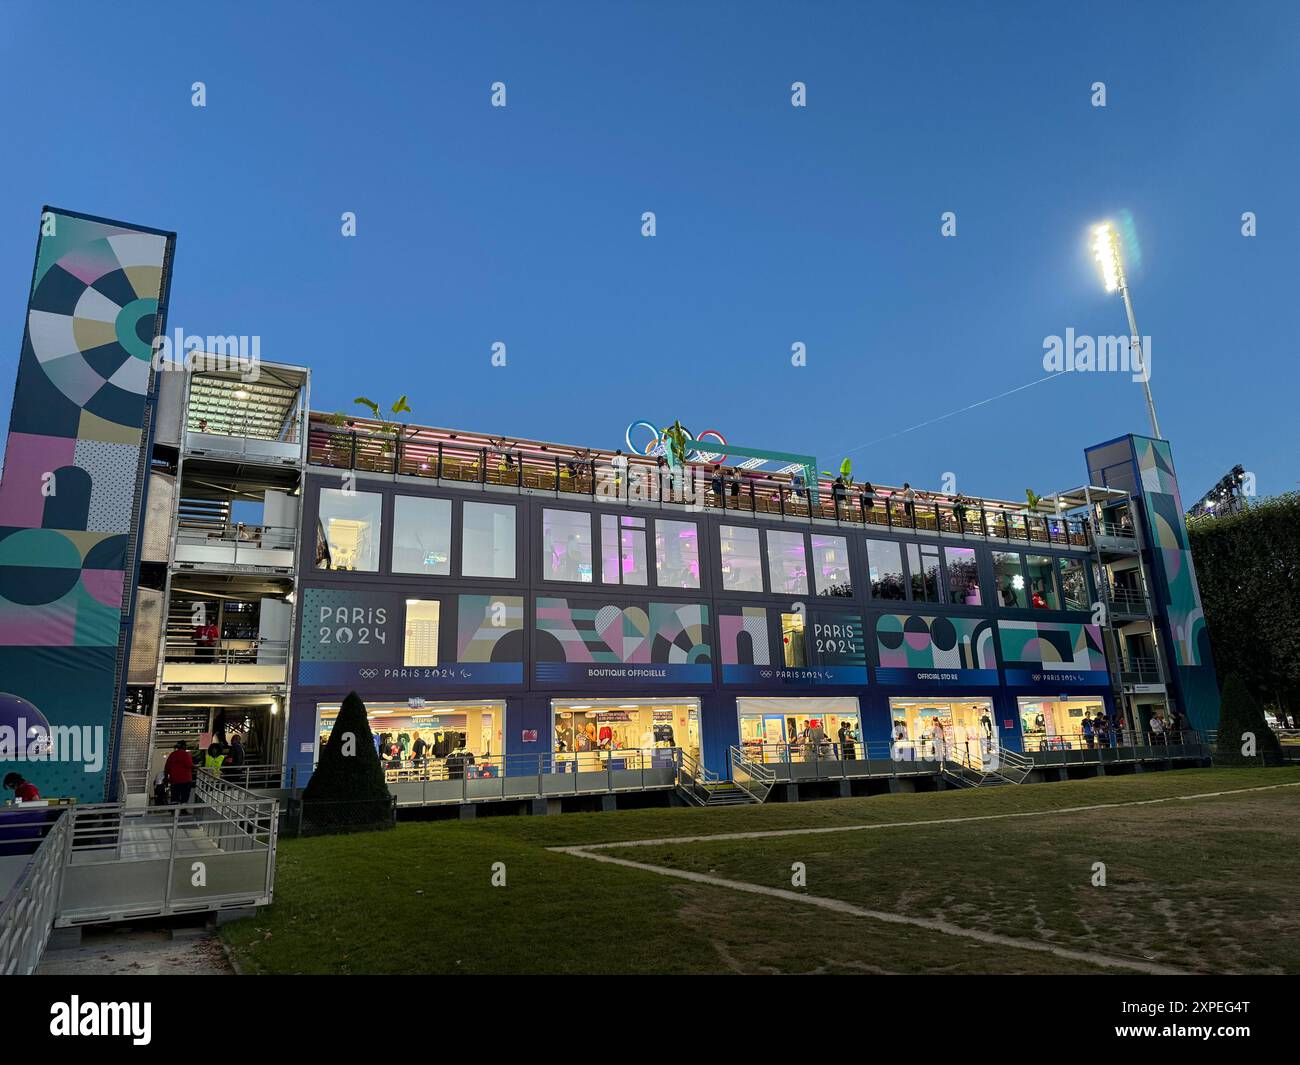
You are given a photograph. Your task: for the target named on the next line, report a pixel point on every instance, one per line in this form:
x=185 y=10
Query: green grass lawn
x=1207 y=885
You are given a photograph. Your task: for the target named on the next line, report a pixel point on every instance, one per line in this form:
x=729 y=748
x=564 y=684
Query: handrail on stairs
x=756 y=779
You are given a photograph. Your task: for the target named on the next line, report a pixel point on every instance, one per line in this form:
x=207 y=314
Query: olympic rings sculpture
x=654 y=442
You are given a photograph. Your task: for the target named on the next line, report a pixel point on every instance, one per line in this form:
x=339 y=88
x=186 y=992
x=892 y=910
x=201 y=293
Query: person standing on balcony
x=179 y=771
x=867 y=496
x=1157 y=726
x=909 y=502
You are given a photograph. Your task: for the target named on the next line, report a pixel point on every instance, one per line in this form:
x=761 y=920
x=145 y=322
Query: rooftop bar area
x=463 y=458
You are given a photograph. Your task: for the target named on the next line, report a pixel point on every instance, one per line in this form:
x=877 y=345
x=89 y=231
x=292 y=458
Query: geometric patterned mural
x=1067 y=645
x=72 y=464
x=666 y=633
x=918 y=641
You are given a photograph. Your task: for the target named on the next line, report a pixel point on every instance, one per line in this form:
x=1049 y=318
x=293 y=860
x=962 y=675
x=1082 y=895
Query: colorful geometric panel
x=920 y=641
x=490 y=628
x=73 y=466
x=1168 y=527
x=742 y=636
x=1026 y=644
x=633 y=634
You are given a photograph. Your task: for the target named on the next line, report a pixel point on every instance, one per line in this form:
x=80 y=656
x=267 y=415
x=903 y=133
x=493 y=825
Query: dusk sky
x=775 y=224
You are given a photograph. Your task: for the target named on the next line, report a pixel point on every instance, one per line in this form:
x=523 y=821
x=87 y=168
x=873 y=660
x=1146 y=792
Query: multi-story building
x=525 y=610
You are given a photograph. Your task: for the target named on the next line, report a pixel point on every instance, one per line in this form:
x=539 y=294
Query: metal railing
x=753 y=777
x=225 y=662
x=28 y=910
x=1113 y=530
x=462 y=779
x=1124 y=745
x=1140 y=670
x=130 y=862
x=234 y=544
x=1128 y=601
x=637 y=479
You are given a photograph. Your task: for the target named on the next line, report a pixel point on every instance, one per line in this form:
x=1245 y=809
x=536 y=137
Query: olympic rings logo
x=368 y=673
x=643 y=438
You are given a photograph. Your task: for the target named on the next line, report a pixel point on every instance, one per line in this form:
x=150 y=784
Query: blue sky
x=775 y=224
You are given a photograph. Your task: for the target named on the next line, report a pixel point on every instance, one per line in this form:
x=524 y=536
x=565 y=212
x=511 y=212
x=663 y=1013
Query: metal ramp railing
x=127 y=862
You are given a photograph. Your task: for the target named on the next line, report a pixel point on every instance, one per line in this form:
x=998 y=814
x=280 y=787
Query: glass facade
x=885 y=563
x=1009 y=578
x=624 y=559
x=923 y=562
x=1074 y=584
x=566 y=546
x=677 y=554
x=831 y=574
x=422 y=535
x=349 y=528
x=787 y=562
x=742 y=564
x=963 y=576
x=488 y=540
x=420 y=642
x=1041 y=570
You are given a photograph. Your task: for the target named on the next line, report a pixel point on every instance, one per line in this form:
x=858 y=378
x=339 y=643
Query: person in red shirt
x=23 y=791
x=179 y=770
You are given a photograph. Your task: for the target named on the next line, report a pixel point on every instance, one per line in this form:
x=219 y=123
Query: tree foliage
x=349 y=769
x=1239 y=717
x=1248 y=568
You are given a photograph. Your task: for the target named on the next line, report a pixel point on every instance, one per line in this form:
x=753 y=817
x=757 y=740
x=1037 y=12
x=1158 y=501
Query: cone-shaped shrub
x=1239 y=714
x=349 y=769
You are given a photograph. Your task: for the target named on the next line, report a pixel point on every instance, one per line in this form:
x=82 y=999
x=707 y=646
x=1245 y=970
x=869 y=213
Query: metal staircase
x=700 y=786
x=993 y=769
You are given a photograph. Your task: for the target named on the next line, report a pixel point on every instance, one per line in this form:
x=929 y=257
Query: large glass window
x=963 y=576
x=885 y=562
x=422 y=535
x=923 y=561
x=1042 y=582
x=793 y=645
x=677 y=554
x=742 y=564
x=787 y=563
x=488 y=540
x=623 y=550
x=566 y=546
x=1009 y=578
x=1074 y=584
x=348 y=530
x=420 y=647
x=831 y=565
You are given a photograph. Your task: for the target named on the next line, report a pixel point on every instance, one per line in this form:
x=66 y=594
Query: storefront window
x=488 y=540
x=421 y=643
x=1058 y=724
x=1042 y=582
x=963 y=730
x=800 y=729
x=742 y=566
x=622 y=734
x=963 y=576
x=348 y=530
x=831 y=565
x=623 y=550
x=1009 y=578
x=422 y=535
x=1074 y=584
x=787 y=564
x=677 y=554
x=442 y=741
x=923 y=561
x=566 y=546
x=885 y=562
x=792 y=640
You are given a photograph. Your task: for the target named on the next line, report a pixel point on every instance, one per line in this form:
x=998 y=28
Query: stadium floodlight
x=1106 y=250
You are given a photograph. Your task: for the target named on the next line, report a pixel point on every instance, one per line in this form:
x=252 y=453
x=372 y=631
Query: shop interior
x=1055 y=724
x=419 y=740
x=943 y=728
x=777 y=730
x=595 y=734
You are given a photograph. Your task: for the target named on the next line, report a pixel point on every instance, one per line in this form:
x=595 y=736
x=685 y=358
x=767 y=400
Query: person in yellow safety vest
x=214 y=759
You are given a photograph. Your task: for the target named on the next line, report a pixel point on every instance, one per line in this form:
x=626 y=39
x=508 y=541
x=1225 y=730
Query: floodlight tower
x=1106 y=250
